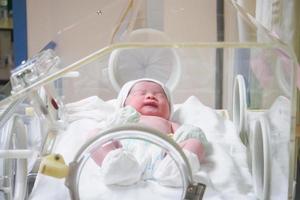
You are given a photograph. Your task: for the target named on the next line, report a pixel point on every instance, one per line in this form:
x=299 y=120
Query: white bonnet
x=127 y=87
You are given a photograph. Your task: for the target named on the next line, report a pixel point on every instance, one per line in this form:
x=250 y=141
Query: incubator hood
x=103 y=27
x=223 y=57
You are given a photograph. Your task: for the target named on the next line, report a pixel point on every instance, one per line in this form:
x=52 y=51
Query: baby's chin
x=150 y=111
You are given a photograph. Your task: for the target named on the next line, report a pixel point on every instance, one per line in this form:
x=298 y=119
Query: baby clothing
x=120 y=167
x=141 y=160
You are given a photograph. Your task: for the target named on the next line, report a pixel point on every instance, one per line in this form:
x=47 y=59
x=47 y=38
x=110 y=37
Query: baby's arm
x=118 y=167
x=99 y=153
x=121 y=116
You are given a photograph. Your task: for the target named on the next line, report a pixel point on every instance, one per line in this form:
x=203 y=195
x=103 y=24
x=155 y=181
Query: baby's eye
x=138 y=92
x=160 y=94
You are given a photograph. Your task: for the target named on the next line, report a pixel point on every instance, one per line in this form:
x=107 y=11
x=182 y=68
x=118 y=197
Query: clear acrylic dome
x=231 y=64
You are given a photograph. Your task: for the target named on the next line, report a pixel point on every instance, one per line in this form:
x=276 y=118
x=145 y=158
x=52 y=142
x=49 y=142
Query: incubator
x=231 y=78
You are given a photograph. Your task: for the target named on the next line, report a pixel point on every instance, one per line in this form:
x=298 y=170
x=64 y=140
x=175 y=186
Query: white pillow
x=193 y=112
x=89 y=108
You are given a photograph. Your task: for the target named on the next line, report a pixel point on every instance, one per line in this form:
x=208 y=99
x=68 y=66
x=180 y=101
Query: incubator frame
x=194 y=191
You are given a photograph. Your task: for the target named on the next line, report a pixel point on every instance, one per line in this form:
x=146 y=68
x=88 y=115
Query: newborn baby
x=151 y=100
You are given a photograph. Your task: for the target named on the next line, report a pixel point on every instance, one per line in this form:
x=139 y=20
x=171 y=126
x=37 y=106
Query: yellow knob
x=54 y=165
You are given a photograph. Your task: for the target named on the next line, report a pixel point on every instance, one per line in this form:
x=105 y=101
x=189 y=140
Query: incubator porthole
x=261 y=159
x=160 y=63
x=239 y=107
x=83 y=164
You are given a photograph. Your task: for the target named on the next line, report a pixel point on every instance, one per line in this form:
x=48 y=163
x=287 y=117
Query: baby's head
x=147 y=96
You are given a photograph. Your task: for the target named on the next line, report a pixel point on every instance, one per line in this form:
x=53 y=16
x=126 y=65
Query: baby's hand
x=99 y=153
x=125 y=115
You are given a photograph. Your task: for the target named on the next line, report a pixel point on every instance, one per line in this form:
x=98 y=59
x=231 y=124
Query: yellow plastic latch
x=29 y=111
x=54 y=165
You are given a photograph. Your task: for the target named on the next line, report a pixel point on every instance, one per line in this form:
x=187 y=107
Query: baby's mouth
x=151 y=103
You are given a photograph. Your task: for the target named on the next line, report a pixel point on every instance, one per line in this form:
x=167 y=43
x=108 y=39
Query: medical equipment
x=63 y=93
x=124 y=65
x=194 y=190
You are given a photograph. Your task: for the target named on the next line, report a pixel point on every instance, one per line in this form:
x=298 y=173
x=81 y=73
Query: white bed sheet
x=225 y=169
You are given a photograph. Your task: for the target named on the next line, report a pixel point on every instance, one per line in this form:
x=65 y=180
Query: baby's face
x=148 y=98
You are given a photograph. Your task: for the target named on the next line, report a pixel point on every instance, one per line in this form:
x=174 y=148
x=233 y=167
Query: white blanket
x=225 y=169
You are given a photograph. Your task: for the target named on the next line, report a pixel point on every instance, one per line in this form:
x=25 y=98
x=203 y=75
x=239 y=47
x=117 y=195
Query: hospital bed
x=239 y=92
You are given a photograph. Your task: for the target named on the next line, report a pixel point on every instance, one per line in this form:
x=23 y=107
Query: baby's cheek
x=134 y=102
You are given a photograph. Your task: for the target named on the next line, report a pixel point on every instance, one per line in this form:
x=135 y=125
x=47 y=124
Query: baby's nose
x=149 y=95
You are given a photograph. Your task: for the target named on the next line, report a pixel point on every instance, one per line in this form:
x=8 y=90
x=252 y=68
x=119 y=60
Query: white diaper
x=168 y=174
x=120 y=167
x=123 y=167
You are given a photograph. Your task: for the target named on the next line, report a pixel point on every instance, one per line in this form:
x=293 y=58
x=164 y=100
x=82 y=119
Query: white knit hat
x=127 y=87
